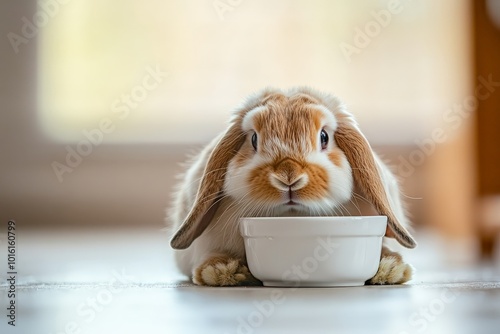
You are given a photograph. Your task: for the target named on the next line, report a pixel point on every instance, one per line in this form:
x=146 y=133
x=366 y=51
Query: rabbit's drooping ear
x=210 y=190
x=367 y=176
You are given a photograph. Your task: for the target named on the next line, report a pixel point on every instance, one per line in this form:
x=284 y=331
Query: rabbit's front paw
x=391 y=270
x=223 y=271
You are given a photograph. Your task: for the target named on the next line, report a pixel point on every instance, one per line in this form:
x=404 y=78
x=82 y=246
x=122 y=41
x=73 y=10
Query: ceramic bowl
x=313 y=251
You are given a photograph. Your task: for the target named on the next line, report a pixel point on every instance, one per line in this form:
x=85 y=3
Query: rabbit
x=295 y=152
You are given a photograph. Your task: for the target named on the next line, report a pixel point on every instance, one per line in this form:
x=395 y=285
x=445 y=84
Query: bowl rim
x=358 y=226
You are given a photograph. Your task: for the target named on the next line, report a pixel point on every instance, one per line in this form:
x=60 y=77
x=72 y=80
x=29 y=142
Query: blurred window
x=397 y=64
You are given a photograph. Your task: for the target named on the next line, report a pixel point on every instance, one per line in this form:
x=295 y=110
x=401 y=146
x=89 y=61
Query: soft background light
x=399 y=86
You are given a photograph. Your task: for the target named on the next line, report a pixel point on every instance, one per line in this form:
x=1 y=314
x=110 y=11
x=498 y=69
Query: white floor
x=124 y=282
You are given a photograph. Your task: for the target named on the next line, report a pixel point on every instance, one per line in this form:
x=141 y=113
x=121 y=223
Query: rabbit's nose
x=288 y=175
x=285 y=183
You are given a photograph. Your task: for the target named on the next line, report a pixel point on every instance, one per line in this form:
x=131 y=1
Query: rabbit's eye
x=254 y=141
x=324 y=139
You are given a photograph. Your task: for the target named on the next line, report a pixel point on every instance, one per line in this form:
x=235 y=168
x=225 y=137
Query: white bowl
x=313 y=251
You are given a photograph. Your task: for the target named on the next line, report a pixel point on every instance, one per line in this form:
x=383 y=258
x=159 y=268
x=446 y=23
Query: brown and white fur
x=274 y=160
